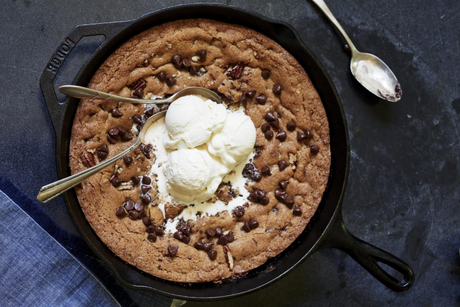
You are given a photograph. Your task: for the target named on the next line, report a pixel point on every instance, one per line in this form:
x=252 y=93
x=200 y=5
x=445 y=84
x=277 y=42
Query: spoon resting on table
x=52 y=190
x=368 y=69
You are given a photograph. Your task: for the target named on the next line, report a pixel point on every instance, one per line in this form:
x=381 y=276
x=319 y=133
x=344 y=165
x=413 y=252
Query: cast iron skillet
x=326 y=229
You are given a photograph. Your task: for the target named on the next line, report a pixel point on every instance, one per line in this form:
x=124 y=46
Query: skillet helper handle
x=369 y=256
x=55 y=108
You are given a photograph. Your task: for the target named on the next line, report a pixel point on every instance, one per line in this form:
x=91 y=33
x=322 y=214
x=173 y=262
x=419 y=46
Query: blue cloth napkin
x=43 y=265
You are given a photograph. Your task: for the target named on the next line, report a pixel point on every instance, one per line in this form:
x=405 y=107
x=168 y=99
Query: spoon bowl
x=375 y=76
x=368 y=69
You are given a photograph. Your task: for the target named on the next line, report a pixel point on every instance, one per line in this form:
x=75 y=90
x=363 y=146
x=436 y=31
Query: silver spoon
x=368 y=69
x=52 y=190
x=84 y=92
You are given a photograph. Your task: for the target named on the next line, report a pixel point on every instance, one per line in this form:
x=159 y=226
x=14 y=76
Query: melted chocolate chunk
x=276 y=88
x=269 y=117
x=116 y=113
x=268 y=134
x=282 y=164
x=147 y=221
x=283 y=184
x=212 y=254
x=146 y=180
x=251 y=94
x=202 y=54
x=266 y=170
x=127 y=160
x=129 y=205
x=281 y=136
x=135 y=180
x=162 y=76
x=152 y=237
x=261 y=99
x=314 y=149
x=172 y=250
x=210 y=232
x=265 y=127
x=116 y=182
x=239 y=211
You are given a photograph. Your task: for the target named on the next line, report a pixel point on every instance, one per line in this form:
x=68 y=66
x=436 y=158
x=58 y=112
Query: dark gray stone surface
x=403 y=193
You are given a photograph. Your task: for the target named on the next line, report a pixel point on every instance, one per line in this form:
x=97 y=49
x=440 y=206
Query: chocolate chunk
x=129 y=205
x=146 y=180
x=162 y=76
x=120 y=212
x=116 y=113
x=268 y=135
x=210 y=232
x=138 y=93
x=170 y=81
x=147 y=221
x=186 y=239
x=145 y=188
x=269 y=117
x=138 y=119
x=265 y=73
x=251 y=172
x=314 y=149
x=192 y=70
x=289 y=201
x=186 y=64
x=281 y=136
x=230 y=237
x=127 y=137
x=127 y=160
x=222 y=240
x=260 y=193
x=264 y=201
x=152 y=237
x=116 y=182
x=239 y=211
x=142 y=215
x=279 y=195
x=146 y=198
x=253 y=197
x=145 y=150
x=122 y=131
x=297 y=210
x=283 y=184
x=301 y=136
x=202 y=54
x=261 y=99
x=291 y=125
x=212 y=254
x=218 y=231
x=265 y=127
x=275 y=124
x=266 y=170
x=135 y=180
x=207 y=246
x=134 y=215
x=159 y=230
x=138 y=207
x=276 y=88
x=176 y=60
x=199 y=245
x=282 y=165
x=308 y=134
x=253 y=224
x=102 y=152
x=172 y=250
x=114 y=132
x=179 y=235
x=111 y=140
x=250 y=94
x=150 y=229
x=246 y=227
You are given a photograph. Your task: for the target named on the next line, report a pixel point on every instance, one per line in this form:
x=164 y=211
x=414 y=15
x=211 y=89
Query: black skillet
x=326 y=229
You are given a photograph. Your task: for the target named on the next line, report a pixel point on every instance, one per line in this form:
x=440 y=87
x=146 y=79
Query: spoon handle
x=84 y=92
x=52 y=190
x=322 y=5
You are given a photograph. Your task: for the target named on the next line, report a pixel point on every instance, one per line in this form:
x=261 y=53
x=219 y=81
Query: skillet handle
x=368 y=256
x=55 y=108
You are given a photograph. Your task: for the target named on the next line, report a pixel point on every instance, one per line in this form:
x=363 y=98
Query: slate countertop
x=403 y=191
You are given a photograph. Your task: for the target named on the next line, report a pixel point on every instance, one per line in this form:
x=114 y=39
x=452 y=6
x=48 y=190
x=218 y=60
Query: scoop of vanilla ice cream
x=235 y=141
x=191 y=120
x=192 y=174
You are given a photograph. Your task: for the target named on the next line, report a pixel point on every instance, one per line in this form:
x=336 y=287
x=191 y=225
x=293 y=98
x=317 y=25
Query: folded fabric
x=43 y=265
